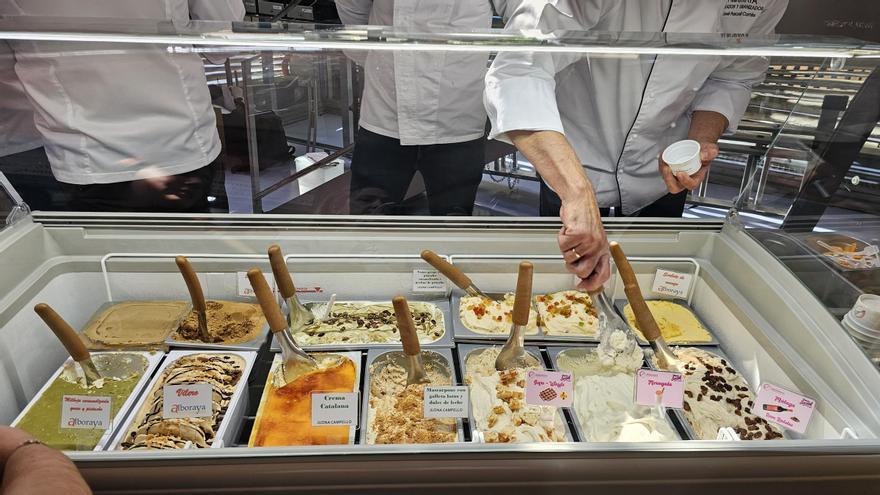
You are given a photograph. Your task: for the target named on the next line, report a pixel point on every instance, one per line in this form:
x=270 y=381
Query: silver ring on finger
x=576 y=255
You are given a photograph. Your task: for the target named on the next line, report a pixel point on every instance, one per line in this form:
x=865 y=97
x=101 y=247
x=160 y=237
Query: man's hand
x=678 y=182
x=582 y=238
x=583 y=244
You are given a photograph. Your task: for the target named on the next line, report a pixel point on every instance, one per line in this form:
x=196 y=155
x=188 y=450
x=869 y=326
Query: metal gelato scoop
x=513 y=353
x=70 y=340
x=415 y=368
x=296 y=361
x=665 y=357
x=610 y=322
x=196 y=294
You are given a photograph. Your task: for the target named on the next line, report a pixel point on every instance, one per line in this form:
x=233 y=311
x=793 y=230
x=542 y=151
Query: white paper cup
x=866 y=311
x=683 y=156
x=863 y=332
x=854 y=326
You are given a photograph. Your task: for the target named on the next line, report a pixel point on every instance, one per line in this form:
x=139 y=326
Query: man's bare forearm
x=556 y=161
x=706 y=126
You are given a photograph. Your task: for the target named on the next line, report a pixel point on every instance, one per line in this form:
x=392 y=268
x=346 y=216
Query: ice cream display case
x=769 y=326
x=757 y=332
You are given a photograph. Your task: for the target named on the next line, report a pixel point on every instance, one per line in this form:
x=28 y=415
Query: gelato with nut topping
x=369 y=323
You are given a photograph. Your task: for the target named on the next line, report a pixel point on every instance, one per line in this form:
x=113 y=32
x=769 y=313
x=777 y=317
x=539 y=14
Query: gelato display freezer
x=765 y=321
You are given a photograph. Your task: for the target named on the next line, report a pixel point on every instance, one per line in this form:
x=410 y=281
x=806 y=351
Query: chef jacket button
x=634 y=135
x=651 y=94
x=672 y=125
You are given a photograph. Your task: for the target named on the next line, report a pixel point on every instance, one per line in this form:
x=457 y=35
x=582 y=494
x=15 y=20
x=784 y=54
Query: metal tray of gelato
x=125 y=373
x=377 y=328
x=133 y=325
x=488 y=321
x=227 y=373
x=284 y=415
x=614 y=416
x=401 y=408
x=235 y=325
x=499 y=413
x=735 y=399
x=557 y=317
x=679 y=322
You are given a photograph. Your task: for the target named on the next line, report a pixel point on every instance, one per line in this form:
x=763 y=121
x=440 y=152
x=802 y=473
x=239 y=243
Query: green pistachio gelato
x=43 y=419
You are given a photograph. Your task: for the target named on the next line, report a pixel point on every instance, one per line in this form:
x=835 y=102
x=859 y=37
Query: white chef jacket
x=17 y=130
x=419 y=97
x=619 y=113
x=111 y=112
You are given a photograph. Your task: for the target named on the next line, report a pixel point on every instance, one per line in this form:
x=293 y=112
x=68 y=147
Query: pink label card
x=549 y=388
x=784 y=407
x=659 y=387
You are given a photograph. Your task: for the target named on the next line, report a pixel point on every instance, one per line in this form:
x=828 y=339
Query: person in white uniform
x=128 y=127
x=594 y=127
x=22 y=158
x=420 y=111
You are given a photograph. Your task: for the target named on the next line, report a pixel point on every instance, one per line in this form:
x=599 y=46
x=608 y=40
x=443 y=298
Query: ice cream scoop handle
x=523 y=301
x=65 y=333
x=282 y=274
x=407 y=327
x=647 y=324
x=192 y=284
x=277 y=322
x=449 y=270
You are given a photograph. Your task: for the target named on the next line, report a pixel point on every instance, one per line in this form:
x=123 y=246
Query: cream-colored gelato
x=499 y=406
x=603 y=397
x=567 y=312
x=716 y=396
x=396 y=414
x=368 y=323
x=678 y=324
x=135 y=323
x=481 y=315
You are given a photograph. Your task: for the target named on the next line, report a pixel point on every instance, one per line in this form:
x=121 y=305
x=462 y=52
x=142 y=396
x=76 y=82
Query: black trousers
x=382 y=170
x=30 y=175
x=669 y=206
x=181 y=193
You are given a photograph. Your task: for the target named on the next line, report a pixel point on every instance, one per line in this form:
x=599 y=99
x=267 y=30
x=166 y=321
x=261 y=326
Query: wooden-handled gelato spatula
x=299 y=315
x=611 y=328
x=200 y=306
x=666 y=359
x=415 y=369
x=296 y=361
x=70 y=340
x=455 y=275
x=513 y=353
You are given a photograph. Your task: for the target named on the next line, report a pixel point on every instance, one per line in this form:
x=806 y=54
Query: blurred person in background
x=420 y=111
x=22 y=158
x=594 y=127
x=127 y=127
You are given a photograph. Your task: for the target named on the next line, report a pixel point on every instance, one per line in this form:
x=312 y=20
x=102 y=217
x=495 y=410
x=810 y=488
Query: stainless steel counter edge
x=645 y=448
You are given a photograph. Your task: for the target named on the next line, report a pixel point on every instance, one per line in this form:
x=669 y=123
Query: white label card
x=670 y=283
x=87 y=412
x=446 y=402
x=428 y=281
x=244 y=285
x=335 y=409
x=187 y=401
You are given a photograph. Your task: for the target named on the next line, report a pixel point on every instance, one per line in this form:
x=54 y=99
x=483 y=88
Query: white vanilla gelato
x=499 y=406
